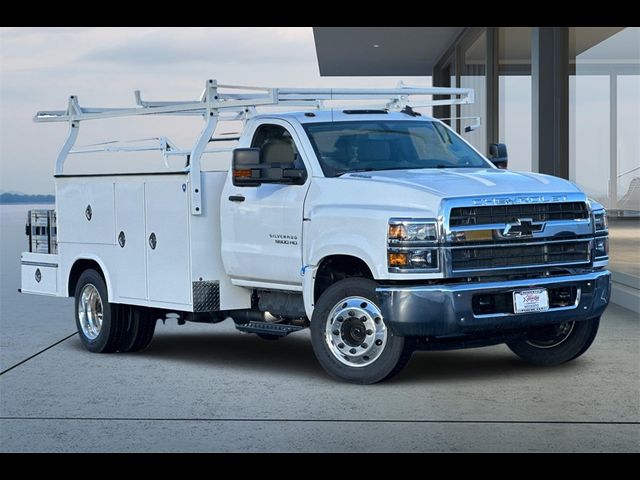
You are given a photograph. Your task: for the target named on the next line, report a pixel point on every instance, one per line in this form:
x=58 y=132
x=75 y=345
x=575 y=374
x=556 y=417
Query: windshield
x=343 y=147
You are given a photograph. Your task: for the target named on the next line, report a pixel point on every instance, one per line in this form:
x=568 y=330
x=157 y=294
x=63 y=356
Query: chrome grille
x=519 y=255
x=538 y=212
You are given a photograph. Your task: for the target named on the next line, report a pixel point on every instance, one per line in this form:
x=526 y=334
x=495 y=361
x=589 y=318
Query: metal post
x=613 y=139
x=458 y=65
x=550 y=100
x=492 y=73
x=74 y=128
x=211 y=119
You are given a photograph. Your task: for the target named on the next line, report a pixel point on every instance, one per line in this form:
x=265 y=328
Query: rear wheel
x=141 y=327
x=105 y=327
x=100 y=327
x=349 y=335
x=556 y=344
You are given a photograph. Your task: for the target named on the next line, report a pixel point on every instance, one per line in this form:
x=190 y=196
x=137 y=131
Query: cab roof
x=343 y=115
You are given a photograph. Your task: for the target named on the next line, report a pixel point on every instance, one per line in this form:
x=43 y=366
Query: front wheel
x=556 y=344
x=350 y=338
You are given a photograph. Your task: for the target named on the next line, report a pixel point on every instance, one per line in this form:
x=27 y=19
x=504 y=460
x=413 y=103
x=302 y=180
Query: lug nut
x=336 y=332
x=352 y=351
x=377 y=319
x=341 y=345
x=340 y=319
x=363 y=318
x=364 y=345
x=369 y=332
x=352 y=313
x=366 y=358
x=378 y=342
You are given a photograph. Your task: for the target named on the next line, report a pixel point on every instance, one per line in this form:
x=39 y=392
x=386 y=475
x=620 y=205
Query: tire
x=364 y=350
x=105 y=332
x=141 y=327
x=541 y=347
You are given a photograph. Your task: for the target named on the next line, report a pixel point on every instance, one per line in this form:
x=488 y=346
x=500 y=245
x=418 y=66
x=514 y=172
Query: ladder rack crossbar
x=215 y=106
x=244 y=102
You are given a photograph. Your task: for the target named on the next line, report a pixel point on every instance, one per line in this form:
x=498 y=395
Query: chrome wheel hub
x=551 y=336
x=90 y=311
x=355 y=332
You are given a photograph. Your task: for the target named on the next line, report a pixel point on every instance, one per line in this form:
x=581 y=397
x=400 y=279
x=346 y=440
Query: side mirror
x=248 y=171
x=246 y=167
x=498 y=155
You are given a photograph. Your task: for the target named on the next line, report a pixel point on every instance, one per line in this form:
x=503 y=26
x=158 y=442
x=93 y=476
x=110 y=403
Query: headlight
x=601 y=242
x=601 y=247
x=401 y=230
x=600 y=220
x=412 y=245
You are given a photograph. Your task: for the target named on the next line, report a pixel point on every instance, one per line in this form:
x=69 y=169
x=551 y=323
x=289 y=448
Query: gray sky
x=41 y=67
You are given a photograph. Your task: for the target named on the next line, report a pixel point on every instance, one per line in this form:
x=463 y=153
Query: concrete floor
x=209 y=388
x=624 y=246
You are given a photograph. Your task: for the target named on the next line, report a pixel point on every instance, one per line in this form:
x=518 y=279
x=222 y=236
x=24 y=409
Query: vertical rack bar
x=74 y=128
x=211 y=119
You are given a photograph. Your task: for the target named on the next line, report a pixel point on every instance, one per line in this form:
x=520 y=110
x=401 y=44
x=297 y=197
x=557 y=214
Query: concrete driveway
x=210 y=388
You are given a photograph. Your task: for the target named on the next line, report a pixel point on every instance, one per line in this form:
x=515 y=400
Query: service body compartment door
x=85 y=210
x=131 y=240
x=167 y=241
x=39 y=273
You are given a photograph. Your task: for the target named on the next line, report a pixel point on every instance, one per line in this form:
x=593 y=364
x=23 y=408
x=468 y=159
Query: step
x=278 y=329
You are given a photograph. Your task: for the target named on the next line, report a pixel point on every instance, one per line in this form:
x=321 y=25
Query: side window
x=277 y=147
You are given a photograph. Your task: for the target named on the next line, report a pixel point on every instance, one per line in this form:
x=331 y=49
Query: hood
x=465 y=182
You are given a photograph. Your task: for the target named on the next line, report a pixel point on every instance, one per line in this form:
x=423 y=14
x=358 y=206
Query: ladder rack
x=215 y=105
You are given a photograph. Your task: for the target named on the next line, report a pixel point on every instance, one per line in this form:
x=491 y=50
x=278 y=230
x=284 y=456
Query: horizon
x=106 y=65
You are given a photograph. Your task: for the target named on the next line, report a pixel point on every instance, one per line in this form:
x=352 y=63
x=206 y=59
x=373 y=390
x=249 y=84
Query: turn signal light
x=242 y=173
x=398 y=260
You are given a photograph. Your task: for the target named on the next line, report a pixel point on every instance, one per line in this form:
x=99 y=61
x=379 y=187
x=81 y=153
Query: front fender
x=326 y=235
x=356 y=236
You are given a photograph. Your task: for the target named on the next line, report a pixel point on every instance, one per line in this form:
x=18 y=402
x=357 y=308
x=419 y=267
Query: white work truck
x=380 y=229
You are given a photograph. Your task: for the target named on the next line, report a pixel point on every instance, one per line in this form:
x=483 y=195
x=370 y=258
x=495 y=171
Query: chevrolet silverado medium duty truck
x=380 y=229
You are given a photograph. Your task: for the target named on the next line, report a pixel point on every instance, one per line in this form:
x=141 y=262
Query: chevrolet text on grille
x=516 y=200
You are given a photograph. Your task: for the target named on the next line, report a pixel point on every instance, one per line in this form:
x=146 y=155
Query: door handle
x=236 y=198
x=153 y=241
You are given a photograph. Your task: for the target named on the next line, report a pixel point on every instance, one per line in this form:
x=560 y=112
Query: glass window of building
x=604 y=121
x=514 y=97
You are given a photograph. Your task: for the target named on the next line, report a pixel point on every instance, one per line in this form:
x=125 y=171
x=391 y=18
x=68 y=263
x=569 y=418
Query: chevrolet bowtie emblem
x=522 y=227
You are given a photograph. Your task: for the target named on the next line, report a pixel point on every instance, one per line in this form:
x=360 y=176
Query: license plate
x=531 y=300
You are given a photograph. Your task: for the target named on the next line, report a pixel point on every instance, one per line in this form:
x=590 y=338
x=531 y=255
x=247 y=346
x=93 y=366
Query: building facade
x=565 y=100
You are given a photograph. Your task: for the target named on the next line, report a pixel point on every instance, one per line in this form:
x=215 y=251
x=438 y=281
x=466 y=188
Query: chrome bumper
x=427 y=310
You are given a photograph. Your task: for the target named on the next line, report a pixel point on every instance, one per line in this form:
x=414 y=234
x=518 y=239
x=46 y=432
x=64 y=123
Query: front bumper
x=437 y=310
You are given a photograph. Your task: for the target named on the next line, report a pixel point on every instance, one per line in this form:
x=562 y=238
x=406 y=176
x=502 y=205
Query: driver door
x=262 y=225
